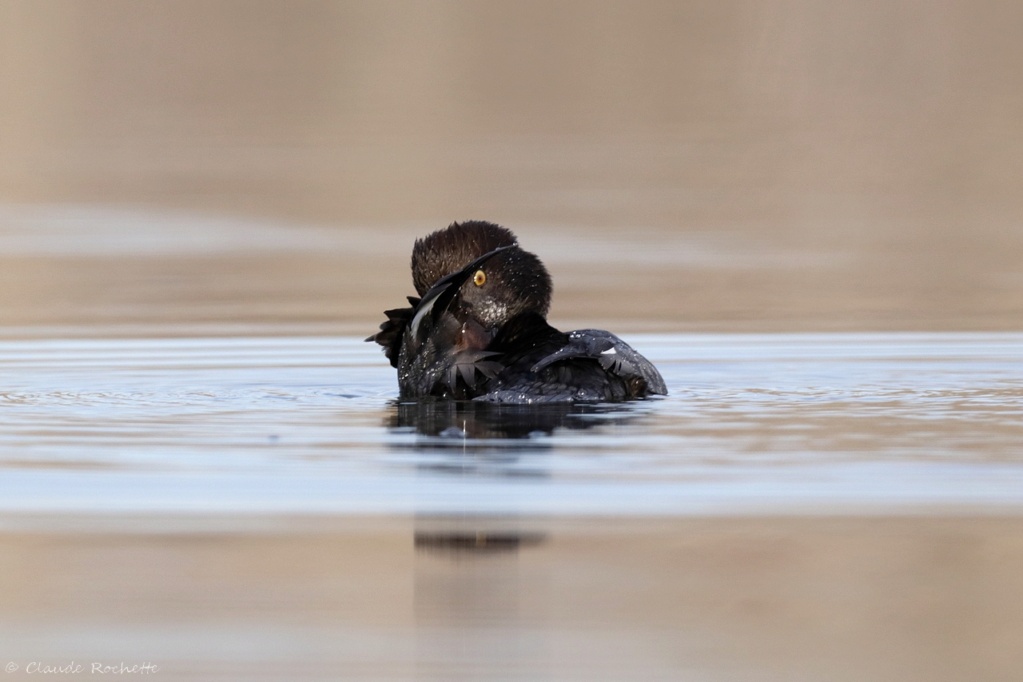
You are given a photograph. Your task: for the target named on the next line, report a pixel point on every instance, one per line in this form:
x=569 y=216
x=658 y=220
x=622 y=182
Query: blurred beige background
x=679 y=165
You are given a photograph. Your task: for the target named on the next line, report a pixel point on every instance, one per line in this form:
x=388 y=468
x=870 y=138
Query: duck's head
x=485 y=278
x=446 y=251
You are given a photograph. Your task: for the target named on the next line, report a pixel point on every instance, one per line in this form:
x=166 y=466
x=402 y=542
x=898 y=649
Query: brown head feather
x=448 y=250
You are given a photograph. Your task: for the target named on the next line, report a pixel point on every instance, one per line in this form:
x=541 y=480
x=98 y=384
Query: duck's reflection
x=491 y=440
x=460 y=437
x=446 y=422
x=479 y=541
x=468 y=576
x=467 y=564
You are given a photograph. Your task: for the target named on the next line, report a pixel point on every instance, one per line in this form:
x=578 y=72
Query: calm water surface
x=261 y=507
x=234 y=504
x=303 y=424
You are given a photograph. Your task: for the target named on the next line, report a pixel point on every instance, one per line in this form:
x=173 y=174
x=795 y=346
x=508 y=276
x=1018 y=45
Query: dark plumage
x=478 y=330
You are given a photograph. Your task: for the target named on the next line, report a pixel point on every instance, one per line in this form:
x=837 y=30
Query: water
x=201 y=472
x=203 y=469
x=260 y=507
x=310 y=424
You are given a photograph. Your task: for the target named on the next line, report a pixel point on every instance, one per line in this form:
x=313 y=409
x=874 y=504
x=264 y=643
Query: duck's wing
x=616 y=357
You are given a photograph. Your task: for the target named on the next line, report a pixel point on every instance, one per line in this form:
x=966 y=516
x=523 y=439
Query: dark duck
x=478 y=330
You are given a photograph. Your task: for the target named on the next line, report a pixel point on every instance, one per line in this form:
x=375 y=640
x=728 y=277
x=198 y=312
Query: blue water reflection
x=309 y=424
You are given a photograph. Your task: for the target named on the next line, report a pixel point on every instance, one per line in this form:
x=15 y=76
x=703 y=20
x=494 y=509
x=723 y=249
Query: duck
x=477 y=330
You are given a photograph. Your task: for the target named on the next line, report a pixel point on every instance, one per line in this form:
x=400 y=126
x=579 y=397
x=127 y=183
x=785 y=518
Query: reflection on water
x=461 y=537
x=446 y=423
x=262 y=508
x=309 y=424
x=229 y=505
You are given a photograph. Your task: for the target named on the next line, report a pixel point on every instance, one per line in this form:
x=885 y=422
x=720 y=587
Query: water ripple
x=300 y=423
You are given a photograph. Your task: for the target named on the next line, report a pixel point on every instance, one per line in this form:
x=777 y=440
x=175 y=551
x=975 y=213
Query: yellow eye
x=480 y=278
